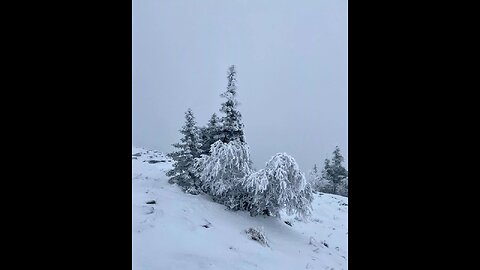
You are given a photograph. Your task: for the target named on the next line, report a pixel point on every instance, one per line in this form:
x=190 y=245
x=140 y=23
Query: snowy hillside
x=175 y=230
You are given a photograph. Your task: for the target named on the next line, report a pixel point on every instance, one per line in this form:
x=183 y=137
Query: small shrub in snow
x=257 y=235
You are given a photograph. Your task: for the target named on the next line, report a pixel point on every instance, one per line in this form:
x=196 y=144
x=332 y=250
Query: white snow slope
x=170 y=234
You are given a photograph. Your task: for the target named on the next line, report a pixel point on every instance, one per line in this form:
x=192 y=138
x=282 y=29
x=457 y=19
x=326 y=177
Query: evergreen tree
x=314 y=178
x=315 y=170
x=326 y=169
x=280 y=185
x=326 y=184
x=189 y=149
x=334 y=172
x=210 y=134
x=343 y=188
x=232 y=126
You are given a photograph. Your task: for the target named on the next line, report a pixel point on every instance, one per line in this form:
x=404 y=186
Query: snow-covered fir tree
x=280 y=185
x=326 y=185
x=222 y=172
x=232 y=126
x=342 y=188
x=334 y=172
x=189 y=148
x=210 y=134
x=317 y=179
x=314 y=178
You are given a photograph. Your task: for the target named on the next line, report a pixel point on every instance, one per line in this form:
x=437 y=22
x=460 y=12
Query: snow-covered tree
x=342 y=188
x=334 y=172
x=232 y=126
x=280 y=185
x=314 y=178
x=189 y=148
x=210 y=134
x=222 y=171
x=315 y=169
x=317 y=179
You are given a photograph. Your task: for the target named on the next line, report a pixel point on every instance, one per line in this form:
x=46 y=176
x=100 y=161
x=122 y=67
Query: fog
x=292 y=64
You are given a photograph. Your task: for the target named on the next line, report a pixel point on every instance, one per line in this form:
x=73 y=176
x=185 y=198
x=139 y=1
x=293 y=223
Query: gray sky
x=291 y=59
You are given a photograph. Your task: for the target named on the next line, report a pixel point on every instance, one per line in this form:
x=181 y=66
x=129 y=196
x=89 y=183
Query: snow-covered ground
x=183 y=231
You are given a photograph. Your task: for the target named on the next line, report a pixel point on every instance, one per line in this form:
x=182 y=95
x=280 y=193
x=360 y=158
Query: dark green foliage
x=334 y=172
x=315 y=170
x=189 y=149
x=232 y=126
x=210 y=134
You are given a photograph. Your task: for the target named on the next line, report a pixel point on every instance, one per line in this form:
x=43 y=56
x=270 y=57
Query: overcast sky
x=291 y=59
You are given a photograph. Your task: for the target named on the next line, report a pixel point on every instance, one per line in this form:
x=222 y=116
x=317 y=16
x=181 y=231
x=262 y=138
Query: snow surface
x=184 y=231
